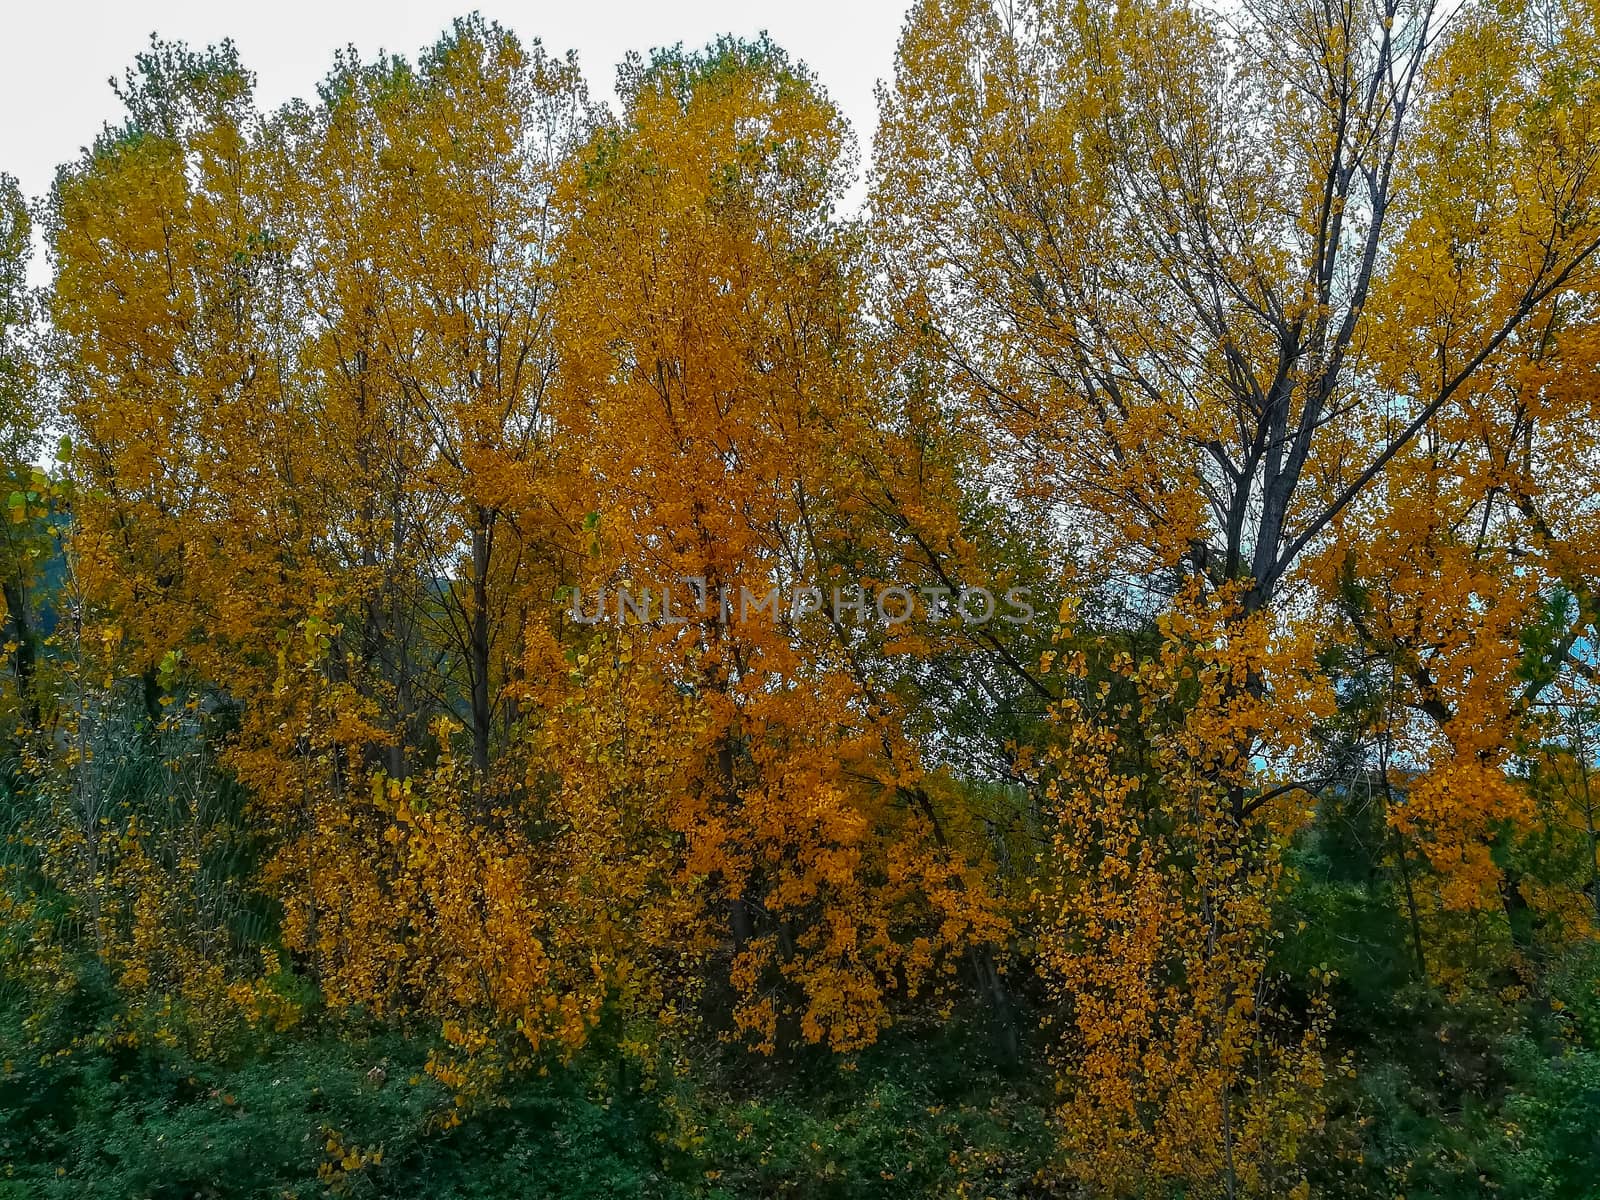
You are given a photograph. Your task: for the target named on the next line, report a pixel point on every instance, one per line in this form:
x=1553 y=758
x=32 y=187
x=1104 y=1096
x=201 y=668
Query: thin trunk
x=1404 y=863
x=999 y=996
x=24 y=659
x=1230 y=1177
x=402 y=655
x=478 y=665
x=740 y=922
x=1411 y=905
x=1582 y=755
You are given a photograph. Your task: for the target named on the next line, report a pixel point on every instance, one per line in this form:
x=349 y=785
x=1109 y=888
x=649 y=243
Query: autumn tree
x=1470 y=574
x=1202 y=275
x=430 y=276
x=710 y=315
x=305 y=460
x=172 y=351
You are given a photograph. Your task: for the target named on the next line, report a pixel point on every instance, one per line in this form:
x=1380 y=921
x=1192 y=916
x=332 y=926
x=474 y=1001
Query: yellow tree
x=450 y=241
x=421 y=201
x=1157 y=249
x=324 y=187
x=305 y=361
x=190 y=554
x=174 y=345
x=713 y=377
x=1472 y=576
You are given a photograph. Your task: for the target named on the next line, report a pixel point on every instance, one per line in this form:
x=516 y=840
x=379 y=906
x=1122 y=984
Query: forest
x=551 y=652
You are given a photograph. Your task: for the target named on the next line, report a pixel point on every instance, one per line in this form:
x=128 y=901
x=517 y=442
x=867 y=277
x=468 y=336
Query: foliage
x=455 y=742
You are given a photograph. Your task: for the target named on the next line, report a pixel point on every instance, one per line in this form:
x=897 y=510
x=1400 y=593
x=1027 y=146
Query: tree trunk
x=24 y=659
x=478 y=647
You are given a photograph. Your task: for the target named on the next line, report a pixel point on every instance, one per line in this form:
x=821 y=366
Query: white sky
x=56 y=55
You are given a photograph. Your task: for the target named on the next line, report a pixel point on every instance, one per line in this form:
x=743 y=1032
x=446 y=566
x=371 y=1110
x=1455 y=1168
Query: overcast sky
x=56 y=55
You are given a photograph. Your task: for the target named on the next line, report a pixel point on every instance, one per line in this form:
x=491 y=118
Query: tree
x=1205 y=279
x=436 y=315
x=715 y=379
x=305 y=460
